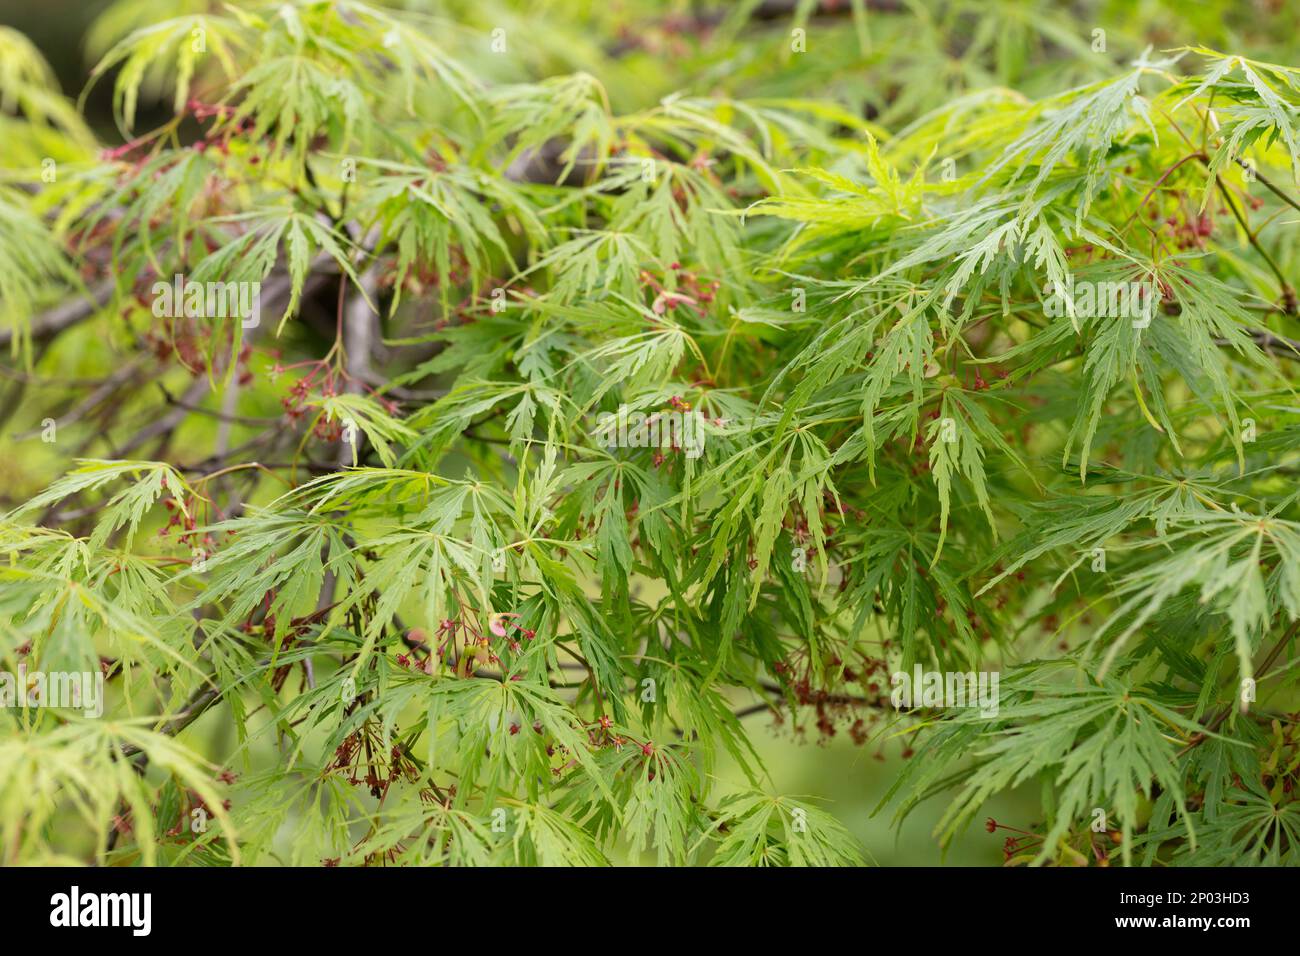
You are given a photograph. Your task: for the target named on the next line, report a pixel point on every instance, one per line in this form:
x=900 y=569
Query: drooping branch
x=64 y=315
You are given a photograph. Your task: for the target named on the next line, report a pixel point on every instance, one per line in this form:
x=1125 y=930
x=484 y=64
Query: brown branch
x=161 y=426
x=1222 y=715
x=1268 y=185
x=64 y=315
x=104 y=391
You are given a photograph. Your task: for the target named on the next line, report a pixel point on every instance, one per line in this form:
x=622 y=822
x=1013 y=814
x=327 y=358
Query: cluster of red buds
x=834 y=710
x=219 y=134
x=601 y=734
x=425 y=274
x=184 y=519
x=327 y=430
x=300 y=398
x=690 y=292
x=501 y=625
x=297 y=401
x=1191 y=230
x=478 y=645
x=417 y=640
x=176 y=340
x=377 y=776
x=435 y=160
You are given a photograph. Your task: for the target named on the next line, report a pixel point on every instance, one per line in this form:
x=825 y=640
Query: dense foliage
x=371 y=581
